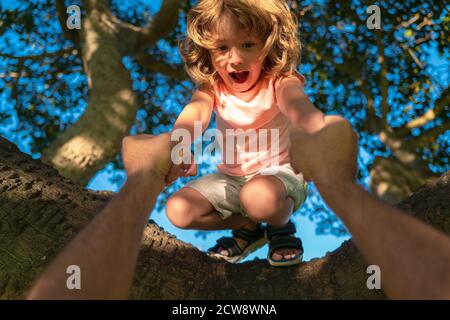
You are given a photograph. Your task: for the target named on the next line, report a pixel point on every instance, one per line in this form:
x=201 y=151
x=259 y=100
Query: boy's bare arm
x=199 y=109
x=296 y=105
x=414 y=258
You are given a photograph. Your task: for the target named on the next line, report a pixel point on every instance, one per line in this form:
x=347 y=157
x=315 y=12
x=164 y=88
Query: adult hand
x=183 y=169
x=146 y=155
x=183 y=161
x=327 y=156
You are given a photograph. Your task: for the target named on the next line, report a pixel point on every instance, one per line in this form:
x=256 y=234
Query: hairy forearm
x=414 y=257
x=106 y=250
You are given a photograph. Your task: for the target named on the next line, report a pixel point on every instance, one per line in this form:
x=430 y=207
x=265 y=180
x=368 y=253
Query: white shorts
x=222 y=190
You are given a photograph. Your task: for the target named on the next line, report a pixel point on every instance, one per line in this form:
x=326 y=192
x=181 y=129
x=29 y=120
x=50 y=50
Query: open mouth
x=240 y=77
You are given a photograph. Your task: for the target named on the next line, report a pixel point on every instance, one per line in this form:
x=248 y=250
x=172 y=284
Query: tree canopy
x=69 y=96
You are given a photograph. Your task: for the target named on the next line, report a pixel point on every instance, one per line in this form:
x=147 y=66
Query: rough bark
x=93 y=141
x=40 y=212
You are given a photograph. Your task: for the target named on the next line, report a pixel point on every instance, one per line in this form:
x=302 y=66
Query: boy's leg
x=189 y=209
x=210 y=203
x=283 y=191
x=274 y=207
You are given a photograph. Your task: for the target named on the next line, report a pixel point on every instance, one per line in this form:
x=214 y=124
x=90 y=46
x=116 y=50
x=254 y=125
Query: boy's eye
x=248 y=45
x=222 y=48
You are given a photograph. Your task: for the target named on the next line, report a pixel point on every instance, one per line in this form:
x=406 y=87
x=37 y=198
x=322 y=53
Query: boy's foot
x=277 y=255
x=284 y=248
x=286 y=253
x=240 y=245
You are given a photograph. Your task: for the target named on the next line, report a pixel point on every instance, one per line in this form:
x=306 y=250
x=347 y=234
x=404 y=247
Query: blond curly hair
x=271 y=20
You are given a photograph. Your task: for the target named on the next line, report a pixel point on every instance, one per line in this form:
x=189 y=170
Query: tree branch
x=441 y=105
x=153 y=65
x=134 y=40
x=405 y=152
x=161 y=26
x=372 y=122
x=427 y=137
x=382 y=76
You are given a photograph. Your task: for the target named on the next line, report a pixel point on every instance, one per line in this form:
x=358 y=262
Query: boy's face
x=237 y=55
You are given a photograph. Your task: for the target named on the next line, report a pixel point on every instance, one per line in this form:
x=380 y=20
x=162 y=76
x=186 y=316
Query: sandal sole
x=247 y=251
x=285 y=263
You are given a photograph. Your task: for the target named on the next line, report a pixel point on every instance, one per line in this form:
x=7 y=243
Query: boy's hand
x=327 y=156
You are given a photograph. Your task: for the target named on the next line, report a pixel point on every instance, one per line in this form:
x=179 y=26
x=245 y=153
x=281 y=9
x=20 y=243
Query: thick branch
x=40 y=212
x=84 y=148
x=94 y=139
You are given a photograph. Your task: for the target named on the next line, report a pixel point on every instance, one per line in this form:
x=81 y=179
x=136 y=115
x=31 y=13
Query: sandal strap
x=230 y=245
x=286 y=230
x=249 y=235
x=285 y=243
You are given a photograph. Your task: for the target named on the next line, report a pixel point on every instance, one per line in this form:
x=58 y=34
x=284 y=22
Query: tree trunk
x=40 y=212
x=93 y=141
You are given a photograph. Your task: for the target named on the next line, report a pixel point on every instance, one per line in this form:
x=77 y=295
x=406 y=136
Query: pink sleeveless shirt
x=255 y=133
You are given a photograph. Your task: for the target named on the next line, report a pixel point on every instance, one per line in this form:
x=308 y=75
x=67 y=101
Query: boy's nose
x=235 y=57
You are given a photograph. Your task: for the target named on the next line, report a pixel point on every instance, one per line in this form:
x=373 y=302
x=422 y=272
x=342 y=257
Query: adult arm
x=414 y=257
x=106 y=250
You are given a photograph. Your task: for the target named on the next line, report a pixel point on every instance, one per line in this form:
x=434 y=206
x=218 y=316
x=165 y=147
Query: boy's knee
x=260 y=203
x=177 y=211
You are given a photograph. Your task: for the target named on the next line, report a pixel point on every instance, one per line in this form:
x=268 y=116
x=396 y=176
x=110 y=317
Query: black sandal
x=283 y=240
x=255 y=240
